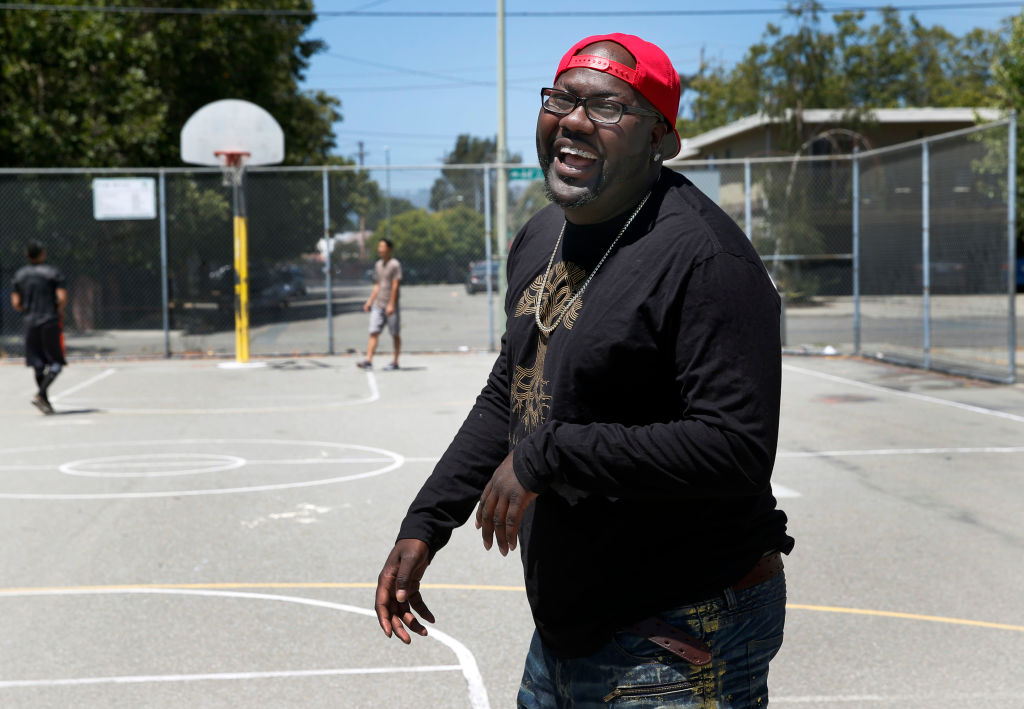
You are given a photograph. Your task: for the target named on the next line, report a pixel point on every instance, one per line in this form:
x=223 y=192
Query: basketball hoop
x=232 y=165
x=231 y=133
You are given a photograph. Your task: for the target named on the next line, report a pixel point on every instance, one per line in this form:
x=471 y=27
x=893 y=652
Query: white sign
x=124 y=198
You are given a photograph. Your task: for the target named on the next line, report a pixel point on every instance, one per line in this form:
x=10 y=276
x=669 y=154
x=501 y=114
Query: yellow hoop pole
x=241 y=282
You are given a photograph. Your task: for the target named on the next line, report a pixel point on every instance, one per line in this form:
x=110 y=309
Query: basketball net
x=232 y=166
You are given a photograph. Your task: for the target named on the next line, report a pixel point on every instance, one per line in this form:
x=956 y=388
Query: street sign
x=525 y=173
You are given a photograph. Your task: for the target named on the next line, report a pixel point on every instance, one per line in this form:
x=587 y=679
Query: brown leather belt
x=694 y=650
x=676 y=641
x=764 y=569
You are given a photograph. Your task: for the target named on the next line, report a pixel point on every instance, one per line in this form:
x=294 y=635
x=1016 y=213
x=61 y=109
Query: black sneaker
x=39 y=401
x=365 y=364
x=390 y=366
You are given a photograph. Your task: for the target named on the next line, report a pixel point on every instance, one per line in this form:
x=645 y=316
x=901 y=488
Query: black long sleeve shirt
x=647 y=420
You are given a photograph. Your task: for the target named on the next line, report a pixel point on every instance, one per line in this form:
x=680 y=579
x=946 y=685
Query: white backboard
x=232 y=125
x=124 y=198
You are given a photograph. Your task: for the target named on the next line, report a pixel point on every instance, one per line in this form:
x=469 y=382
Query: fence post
x=926 y=280
x=747 y=212
x=1011 y=236
x=328 y=248
x=488 y=256
x=856 y=251
x=164 y=295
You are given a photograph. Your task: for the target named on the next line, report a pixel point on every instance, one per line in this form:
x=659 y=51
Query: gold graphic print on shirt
x=529 y=387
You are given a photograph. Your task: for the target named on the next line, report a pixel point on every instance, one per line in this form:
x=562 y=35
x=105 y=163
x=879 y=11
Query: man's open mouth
x=576 y=158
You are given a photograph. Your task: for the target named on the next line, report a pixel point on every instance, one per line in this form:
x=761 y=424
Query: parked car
x=476 y=279
x=268 y=287
x=291 y=276
x=945 y=277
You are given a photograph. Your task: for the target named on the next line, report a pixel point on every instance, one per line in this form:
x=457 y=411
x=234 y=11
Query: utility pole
x=501 y=202
x=362 y=212
x=387 y=191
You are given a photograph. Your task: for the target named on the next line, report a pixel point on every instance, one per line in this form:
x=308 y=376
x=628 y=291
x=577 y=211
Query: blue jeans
x=743 y=629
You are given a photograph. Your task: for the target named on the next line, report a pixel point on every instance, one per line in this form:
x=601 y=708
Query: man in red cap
x=626 y=435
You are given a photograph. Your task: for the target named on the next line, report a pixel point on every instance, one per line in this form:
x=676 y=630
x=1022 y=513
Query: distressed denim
x=743 y=629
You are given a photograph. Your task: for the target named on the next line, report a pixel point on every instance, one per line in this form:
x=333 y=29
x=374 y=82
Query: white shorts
x=378 y=320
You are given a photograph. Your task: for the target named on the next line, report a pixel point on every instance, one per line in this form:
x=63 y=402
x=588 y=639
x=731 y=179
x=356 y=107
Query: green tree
x=109 y=89
x=465 y=186
x=1008 y=77
x=258 y=58
x=418 y=239
x=437 y=247
x=856 y=68
x=527 y=203
x=75 y=91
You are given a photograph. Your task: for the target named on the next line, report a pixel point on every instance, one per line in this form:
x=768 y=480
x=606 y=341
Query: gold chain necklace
x=547 y=330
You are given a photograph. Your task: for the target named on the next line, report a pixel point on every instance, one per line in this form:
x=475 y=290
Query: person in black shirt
x=39 y=294
x=626 y=435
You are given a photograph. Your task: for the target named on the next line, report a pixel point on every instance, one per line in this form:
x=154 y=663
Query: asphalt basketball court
x=187 y=534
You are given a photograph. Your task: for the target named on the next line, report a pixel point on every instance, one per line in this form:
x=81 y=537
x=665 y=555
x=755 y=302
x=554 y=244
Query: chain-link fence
x=905 y=253
x=165 y=284
x=937 y=254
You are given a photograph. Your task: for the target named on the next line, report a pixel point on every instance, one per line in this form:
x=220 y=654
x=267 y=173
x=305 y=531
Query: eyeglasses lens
x=597 y=109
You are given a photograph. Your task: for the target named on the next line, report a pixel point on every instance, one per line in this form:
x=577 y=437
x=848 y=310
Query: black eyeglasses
x=599 y=110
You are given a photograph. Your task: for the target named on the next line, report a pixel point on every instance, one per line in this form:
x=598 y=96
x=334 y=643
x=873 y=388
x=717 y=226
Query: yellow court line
x=482 y=587
x=215 y=586
x=906 y=616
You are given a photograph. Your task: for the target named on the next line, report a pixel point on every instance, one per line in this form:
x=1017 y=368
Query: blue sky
x=412 y=84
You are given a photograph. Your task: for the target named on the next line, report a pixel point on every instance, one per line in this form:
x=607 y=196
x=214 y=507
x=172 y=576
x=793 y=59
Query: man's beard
x=585 y=196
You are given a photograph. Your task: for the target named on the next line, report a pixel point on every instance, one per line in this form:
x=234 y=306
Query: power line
x=531 y=87
x=447 y=77
x=267 y=12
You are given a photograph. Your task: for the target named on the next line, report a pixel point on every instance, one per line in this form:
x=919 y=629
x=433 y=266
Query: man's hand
x=501 y=508
x=366 y=306
x=398 y=590
x=390 y=310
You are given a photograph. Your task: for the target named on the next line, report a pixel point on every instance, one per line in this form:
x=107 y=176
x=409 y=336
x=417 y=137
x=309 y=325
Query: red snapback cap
x=654 y=76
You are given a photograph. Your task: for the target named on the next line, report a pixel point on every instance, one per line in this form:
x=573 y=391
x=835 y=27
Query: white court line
x=371 y=382
x=396 y=462
x=143 y=679
x=467 y=663
x=82 y=385
x=783 y=491
x=835 y=699
x=907 y=394
x=944 y=700
x=317 y=461
x=901 y=451
x=777 y=490
x=269 y=461
x=136 y=465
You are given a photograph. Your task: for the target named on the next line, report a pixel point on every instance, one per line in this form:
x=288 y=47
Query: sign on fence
x=124 y=198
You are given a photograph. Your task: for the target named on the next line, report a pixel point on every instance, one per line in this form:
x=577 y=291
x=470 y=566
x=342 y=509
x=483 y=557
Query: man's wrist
x=525 y=475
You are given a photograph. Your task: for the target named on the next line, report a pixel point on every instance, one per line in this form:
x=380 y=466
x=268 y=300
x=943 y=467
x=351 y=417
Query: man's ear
x=658 y=133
